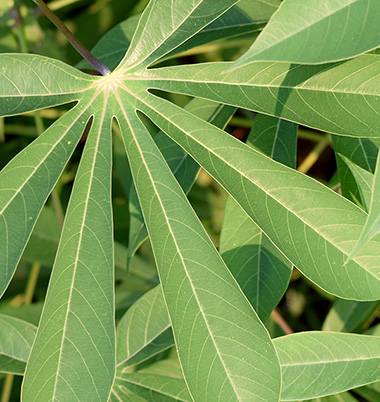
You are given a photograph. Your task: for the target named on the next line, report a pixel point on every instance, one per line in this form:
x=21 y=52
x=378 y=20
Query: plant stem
x=19 y=29
x=7 y=387
x=2 y=129
x=279 y=320
x=32 y=282
x=38 y=122
x=103 y=70
x=314 y=155
x=58 y=207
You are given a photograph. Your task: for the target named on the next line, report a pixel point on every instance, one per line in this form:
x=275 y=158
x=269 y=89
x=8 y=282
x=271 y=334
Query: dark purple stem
x=103 y=70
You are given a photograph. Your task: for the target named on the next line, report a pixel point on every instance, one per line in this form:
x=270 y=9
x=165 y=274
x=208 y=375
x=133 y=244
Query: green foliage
x=193 y=315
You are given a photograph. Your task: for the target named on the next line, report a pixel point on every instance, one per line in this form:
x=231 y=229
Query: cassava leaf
x=144 y=330
x=16 y=338
x=202 y=317
x=43 y=242
x=282 y=202
x=224 y=350
x=340 y=98
x=27 y=181
x=182 y=165
x=306 y=31
x=153 y=388
x=73 y=357
x=372 y=224
x=31 y=82
x=166 y=24
x=275 y=138
x=348 y=315
x=260 y=269
x=363 y=153
x=363 y=180
x=310 y=361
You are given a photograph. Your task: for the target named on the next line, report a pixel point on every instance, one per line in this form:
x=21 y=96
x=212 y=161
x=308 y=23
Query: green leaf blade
x=348 y=315
x=144 y=330
x=260 y=269
x=153 y=388
x=312 y=32
x=182 y=165
x=283 y=202
x=363 y=180
x=177 y=22
x=372 y=225
x=16 y=338
x=28 y=180
x=310 y=361
x=340 y=98
x=245 y=17
x=196 y=283
x=77 y=323
x=30 y=82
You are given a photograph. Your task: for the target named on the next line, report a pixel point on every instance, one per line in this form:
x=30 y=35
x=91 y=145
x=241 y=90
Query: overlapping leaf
x=310 y=362
x=73 y=354
x=306 y=31
x=372 y=225
x=216 y=323
x=260 y=269
x=283 y=202
x=348 y=315
x=363 y=181
x=166 y=24
x=363 y=153
x=182 y=165
x=144 y=330
x=245 y=17
x=16 y=338
x=341 y=98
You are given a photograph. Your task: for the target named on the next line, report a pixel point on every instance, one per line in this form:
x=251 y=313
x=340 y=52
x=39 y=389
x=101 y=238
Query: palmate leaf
x=305 y=31
x=223 y=347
